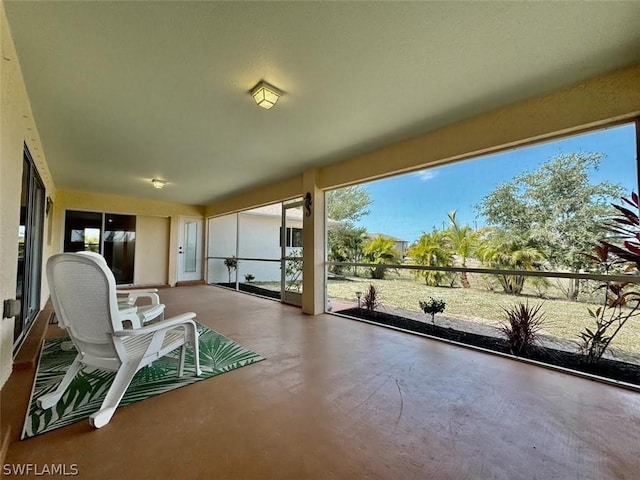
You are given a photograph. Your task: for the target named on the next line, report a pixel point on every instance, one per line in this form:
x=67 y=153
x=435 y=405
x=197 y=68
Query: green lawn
x=565 y=320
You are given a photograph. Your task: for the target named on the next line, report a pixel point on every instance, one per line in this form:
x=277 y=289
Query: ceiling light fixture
x=158 y=183
x=265 y=95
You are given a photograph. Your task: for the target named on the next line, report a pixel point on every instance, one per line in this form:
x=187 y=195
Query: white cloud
x=426 y=175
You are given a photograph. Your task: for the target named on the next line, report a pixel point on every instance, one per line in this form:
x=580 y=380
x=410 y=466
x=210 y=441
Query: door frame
x=286 y=296
x=198 y=276
x=32 y=253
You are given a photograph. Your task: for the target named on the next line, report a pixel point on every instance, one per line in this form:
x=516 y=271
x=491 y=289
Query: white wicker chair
x=138 y=315
x=83 y=293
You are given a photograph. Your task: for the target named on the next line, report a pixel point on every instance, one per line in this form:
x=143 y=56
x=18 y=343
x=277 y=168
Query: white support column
x=313 y=277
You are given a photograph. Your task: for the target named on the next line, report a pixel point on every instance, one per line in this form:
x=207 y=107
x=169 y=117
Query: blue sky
x=408 y=205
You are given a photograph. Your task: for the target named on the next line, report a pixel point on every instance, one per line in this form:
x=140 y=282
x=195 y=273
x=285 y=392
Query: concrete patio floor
x=341 y=399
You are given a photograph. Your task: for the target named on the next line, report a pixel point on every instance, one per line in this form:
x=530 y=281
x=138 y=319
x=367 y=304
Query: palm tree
x=503 y=251
x=381 y=251
x=463 y=241
x=432 y=250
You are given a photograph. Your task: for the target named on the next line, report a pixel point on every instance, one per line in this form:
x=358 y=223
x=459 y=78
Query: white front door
x=190 y=244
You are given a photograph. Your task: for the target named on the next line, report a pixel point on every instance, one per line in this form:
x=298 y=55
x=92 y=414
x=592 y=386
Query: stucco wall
x=151 y=264
x=99 y=202
x=260 y=238
x=275 y=192
x=17 y=127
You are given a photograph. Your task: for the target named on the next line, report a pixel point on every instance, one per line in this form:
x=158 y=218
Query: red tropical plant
x=620 y=304
x=625 y=227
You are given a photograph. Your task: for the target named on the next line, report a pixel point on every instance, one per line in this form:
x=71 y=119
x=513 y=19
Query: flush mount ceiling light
x=158 y=183
x=265 y=95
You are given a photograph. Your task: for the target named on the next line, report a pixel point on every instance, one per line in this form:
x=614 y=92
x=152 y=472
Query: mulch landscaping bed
x=250 y=288
x=613 y=369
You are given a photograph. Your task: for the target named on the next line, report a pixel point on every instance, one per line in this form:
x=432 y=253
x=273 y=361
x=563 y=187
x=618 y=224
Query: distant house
x=401 y=245
x=260 y=231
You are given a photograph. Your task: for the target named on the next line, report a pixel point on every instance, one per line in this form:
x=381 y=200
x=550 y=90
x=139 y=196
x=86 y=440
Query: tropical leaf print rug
x=218 y=354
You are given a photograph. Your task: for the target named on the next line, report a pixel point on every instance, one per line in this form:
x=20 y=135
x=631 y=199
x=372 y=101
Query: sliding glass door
x=82 y=231
x=29 y=248
x=119 y=245
x=114 y=236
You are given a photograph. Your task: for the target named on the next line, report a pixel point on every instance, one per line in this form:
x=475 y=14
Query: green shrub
x=432 y=307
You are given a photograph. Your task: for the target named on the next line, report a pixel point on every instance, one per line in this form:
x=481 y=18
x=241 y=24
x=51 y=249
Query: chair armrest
x=133 y=295
x=176 y=321
x=126 y=291
x=151 y=312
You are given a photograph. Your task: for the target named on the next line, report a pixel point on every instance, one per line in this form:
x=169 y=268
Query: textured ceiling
x=126 y=91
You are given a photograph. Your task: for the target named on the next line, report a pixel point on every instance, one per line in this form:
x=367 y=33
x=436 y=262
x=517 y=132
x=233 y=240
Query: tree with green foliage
x=555 y=209
x=232 y=264
x=345 y=245
x=506 y=252
x=347 y=205
x=381 y=251
x=432 y=250
x=463 y=240
x=293 y=271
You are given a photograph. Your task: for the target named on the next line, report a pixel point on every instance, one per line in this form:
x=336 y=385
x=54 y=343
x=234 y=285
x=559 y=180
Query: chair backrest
x=95 y=255
x=83 y=293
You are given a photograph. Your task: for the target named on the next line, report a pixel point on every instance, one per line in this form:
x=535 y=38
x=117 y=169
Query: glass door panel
x=190 y=250
x=190 y=244
x=116 y=240
x=119 y=245
x=22 y=247
x=291 y=249
x=82 y=231
x=29 y=269
x=35 y=260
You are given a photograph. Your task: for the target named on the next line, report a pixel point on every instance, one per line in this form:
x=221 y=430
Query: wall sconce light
x=157 y=183
x=265 y=95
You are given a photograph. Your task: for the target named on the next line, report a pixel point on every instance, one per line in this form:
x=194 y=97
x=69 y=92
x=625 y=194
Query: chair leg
x=50 y=399
x=183 y=351
x=114 y=395
x=196 y=351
